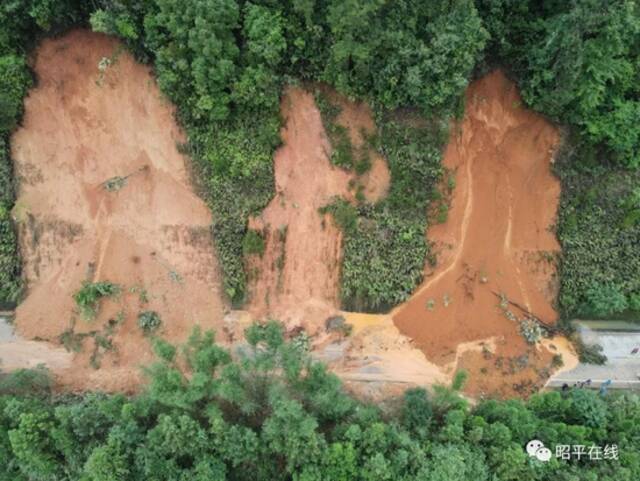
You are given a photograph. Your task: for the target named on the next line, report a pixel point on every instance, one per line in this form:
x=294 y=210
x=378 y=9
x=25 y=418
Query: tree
x=14 y=82
x=404 y=54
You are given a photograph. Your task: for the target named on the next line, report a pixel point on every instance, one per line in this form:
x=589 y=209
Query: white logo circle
x=533 y=446
x=543 y=454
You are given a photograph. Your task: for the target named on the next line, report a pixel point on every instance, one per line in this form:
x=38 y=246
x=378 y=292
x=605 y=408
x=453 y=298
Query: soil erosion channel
x=104 y=195
x=496 y=241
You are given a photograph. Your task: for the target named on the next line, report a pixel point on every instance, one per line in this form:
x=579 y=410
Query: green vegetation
x=223 y=63
x=417 y=54
x=253 y=243
x=26 y=382
x=601 y=260
x=227 y=93
x=149 y=321
x=21 y=22
x=88 y=297
x=14 y=82
x=577 y=62
x=385 y=247
x=342 y=153
x=10 y=282
x=275 y=414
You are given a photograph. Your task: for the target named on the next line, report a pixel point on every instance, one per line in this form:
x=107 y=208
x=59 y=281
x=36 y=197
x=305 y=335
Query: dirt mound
x=496 y=241
x=297 y=278
x=103 y=195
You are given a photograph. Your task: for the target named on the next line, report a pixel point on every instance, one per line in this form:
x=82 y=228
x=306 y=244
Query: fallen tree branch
x=551 y=328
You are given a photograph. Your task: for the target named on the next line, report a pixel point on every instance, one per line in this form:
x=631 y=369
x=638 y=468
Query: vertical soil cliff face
x=104 y=195
x=496 y=241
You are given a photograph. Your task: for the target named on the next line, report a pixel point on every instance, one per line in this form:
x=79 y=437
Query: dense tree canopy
x=273 y=413
x=403 y=53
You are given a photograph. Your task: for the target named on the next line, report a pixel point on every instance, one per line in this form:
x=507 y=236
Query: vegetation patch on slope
x=385 y=246
x=599 y=229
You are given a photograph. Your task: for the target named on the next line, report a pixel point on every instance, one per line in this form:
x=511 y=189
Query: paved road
x=16 y=353
x=618 y=341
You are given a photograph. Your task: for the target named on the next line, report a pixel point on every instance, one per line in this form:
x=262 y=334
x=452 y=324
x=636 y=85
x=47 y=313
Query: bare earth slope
x=497 y=239
x=150 y=234
x=297 y=280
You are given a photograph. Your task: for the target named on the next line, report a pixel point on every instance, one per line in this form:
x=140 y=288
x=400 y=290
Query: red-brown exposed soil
x=84 y=126
x=151 y=235
x=297 y=279
x=497 y=239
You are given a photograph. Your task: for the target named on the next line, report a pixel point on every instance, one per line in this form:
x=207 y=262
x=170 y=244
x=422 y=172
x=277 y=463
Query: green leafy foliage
x=222 y=63
x=576 y=62
x=274 y=413
x=600 y=269
x=384 y=246
x=344 y=214
x=14 y=82
x=88 y=297
x=10 y=280
x=403 y=54
x=26 y=382
x=149 y=321
x=253 y=243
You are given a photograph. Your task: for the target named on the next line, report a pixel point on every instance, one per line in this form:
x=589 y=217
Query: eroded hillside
x=497 y=250
x=104 y=195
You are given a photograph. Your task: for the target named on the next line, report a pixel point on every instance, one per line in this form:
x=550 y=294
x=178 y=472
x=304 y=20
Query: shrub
x=634 y=302
x=600 y=263
x=342 y=151
x=587 y=353
x=530 y=330
x=14 y=82
x=271 y=411
x=149 y=321
x=26 y=382
x=344 y=214
x=604 y=299
x=89 y=295
x=560 y=53
x=382 y=237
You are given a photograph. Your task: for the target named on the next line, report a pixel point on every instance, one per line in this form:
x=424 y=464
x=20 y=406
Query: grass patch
x=234 y=172
x=343 y=154
x=253 y=243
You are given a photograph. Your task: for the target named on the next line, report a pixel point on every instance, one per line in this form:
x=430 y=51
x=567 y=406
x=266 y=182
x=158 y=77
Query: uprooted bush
x=149 y=321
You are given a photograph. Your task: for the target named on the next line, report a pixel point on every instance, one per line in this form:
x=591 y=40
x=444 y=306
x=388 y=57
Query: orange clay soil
x=297 y=279
x=497 y=239
x=151 y=234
